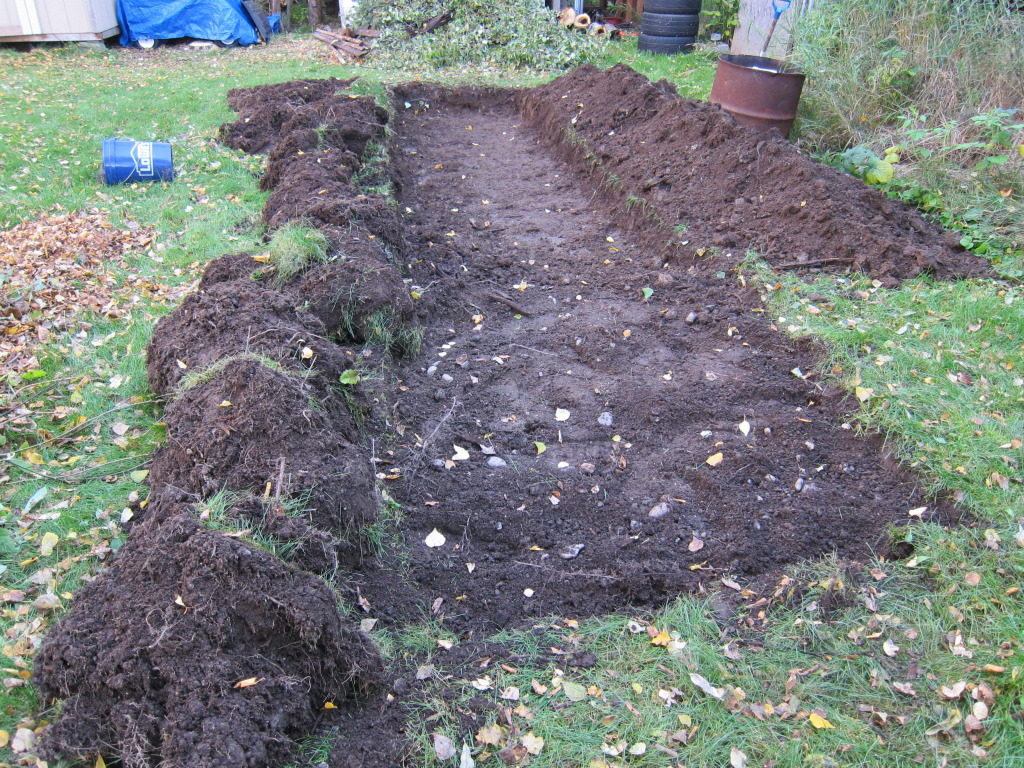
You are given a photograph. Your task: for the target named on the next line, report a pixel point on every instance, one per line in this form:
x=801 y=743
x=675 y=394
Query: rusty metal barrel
x=759 y=92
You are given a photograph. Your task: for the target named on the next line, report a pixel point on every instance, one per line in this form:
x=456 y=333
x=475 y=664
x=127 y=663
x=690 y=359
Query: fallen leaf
x=466 y=758
x=425 y=672
x=435 y=539
x=950 y=722
x=534 y=744
x=47 y=543
x=863 y=393
x=737 y=759
x=5 y=738
x=905 y=688
x=917 y=512
x=461 y=454
x=574 y=691
x=120 y=428
x=952 y=691
x=695 y=545
x=330 y=705
x=24 y=740
x=444 y=747
x=702 y=682
x=638 y=749
x=225 y=404
x=820 y=722
x=661 y=639
x=561 y=414
x=489 y=735
x=980 y=710
x=510 y=694
x=484 y=683
x=744 y=427
x=249 y=682
x=972 y=578
x=714 y=459
x=890 y=649
x=540 y=448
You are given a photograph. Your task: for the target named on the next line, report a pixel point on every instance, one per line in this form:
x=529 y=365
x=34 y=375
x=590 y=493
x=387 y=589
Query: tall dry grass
x=870 y=61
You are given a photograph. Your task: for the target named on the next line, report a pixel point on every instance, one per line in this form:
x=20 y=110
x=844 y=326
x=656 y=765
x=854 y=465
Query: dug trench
x=528 y=379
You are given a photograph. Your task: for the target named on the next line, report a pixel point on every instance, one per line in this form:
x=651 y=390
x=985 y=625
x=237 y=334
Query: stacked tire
x=669 y=26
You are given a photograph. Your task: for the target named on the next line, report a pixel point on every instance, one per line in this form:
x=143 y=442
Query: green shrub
x=515 y=33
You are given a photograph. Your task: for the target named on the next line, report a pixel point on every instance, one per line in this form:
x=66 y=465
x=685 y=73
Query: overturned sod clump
x=598 y=421
x=200 y=646
x=197 y=649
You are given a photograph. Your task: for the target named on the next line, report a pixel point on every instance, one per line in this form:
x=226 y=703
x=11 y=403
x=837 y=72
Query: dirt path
x=537 y=306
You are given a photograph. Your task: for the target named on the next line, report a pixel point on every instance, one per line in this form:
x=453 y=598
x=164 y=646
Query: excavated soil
x=600 y=416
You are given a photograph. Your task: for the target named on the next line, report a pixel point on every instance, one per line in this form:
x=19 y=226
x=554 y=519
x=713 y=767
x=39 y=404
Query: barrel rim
x=746 y=61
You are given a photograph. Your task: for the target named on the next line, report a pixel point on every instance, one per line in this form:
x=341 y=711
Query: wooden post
x=275 y=7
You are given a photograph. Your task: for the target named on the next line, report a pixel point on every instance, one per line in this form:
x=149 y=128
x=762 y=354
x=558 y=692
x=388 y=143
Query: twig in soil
x=503 y=299
x=817 y=262
x=569 y=573
x=418 y=458
x=538 y=351
x=280 y=483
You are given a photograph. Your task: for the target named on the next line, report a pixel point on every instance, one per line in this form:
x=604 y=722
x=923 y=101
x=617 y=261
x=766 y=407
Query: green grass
x=840 y=665
x=293 y=249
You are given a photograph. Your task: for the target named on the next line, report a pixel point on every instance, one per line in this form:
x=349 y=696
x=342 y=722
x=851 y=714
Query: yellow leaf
x=661 y=639
x=249 y=682
x=820 y=722
x=48 y=542
x=5 y=737
x=533 y=744
x=714 y=460
x=863 y=393
x=329 y=705
x=540 y=448
x=685 y=720
x=263 y=258
x=181 y=365
x=307 y=353
x=224 y=404
x=100 y=762
x=32 y=457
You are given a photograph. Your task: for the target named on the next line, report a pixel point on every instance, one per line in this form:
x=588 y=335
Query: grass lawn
x=910 y=662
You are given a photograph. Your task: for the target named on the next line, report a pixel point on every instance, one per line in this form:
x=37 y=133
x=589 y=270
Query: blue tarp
x=224 y=20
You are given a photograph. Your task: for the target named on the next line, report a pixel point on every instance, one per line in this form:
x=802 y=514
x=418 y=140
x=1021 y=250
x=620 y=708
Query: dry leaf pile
x=55 y=268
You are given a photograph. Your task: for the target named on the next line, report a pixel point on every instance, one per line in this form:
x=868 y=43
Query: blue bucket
x=127 y=160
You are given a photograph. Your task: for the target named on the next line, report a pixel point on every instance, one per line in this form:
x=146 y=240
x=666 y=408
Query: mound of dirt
x=234 y=431
x=315 y=147
x=728 y=186
x=240 y=317
x=196 y=649
x=264 y=109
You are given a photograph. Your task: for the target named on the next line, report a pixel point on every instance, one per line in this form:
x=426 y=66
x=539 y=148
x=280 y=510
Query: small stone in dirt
x=438 y=464
x=447 y=378
x=571 y=552
x=439 y=395
x=431 y=370
x=691 y=318
x=659 y=510
x=605 y=419
x=497 y=462
x=587 y=468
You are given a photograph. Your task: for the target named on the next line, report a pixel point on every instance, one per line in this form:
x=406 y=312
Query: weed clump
x=517 y=33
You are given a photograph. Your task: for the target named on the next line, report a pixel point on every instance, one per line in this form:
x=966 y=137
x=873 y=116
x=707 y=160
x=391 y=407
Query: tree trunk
x=275 y=7
x=316 y=13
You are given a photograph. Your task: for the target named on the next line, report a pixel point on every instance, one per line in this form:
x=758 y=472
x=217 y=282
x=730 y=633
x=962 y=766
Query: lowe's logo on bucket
x=142 y=154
